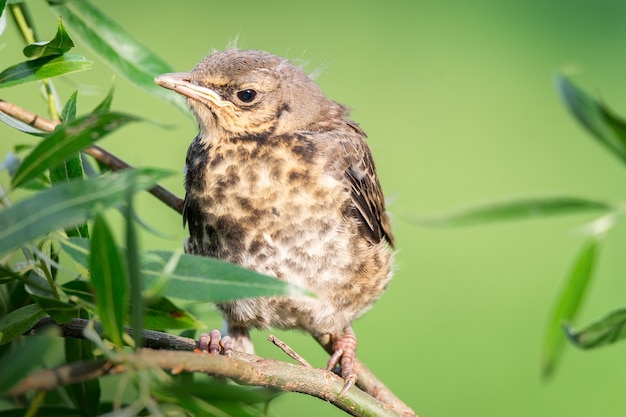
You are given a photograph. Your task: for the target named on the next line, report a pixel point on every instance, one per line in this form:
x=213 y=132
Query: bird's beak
x=181 y=83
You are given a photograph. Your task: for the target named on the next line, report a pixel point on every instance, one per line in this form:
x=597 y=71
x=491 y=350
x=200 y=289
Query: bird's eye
x=246 y=95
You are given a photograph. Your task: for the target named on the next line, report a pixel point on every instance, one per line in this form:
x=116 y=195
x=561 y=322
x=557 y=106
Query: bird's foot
x=344 y=354
x=215 y=344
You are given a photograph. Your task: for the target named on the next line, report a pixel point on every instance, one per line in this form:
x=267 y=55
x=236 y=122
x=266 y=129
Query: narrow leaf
x=21 y=359
x=212 y=391
x=109 y=280
x=72 y=167
x=134 y=272
x=69 y=110
x=86 y=394
x=606 y=331
x=3 y=16
x=105 y=105
x=117 y=48
x=66 y=140
x=592 y=115
x=18 y=321
x=567 y=304
x=60 y=311
x=67 y=204
x=42 y=68
x=164 y=314
x=198 y=278
x=526 y=208
x=59 y=45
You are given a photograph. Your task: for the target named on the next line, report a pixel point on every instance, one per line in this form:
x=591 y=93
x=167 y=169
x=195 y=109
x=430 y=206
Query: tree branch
x=242 y=368
x=97 y=152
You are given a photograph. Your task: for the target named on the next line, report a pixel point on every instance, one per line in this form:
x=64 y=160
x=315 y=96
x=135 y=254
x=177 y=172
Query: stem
x=19 y=13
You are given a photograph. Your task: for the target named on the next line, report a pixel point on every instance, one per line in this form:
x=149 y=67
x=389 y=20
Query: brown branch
x=97 y=152
x=242 y=368
x=367 y=381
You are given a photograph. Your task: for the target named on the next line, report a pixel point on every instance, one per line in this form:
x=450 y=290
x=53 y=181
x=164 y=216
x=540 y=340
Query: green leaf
x=60 y=311
x=44 y=411
x=3 y=16
x=606 y=331
x=109 y=280
x=69 y=110
x=21 y=359
x=212 y=391
x=134 y=272
x=117 y=48
x=42 y=68
x=594 y=116
x=86 y=394
x=66 y=140
x=105 y=105
x=68 y=204
x=567 y=304
x=18 y=321
x=72 y=167
x=208 y=401
x=78 y=249
x=59 y=45
x=163 y=314
x=525 y=208
x=198 y=278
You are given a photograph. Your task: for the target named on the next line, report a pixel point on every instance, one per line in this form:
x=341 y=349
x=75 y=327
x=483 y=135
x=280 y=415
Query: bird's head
x=248 y=93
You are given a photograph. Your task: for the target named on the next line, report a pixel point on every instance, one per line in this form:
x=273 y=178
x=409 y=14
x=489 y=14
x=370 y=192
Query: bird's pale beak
x=181 y=83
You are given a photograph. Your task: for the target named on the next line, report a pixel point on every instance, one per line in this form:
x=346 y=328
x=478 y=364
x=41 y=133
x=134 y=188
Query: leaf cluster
x=609 y=130
x=60 y=257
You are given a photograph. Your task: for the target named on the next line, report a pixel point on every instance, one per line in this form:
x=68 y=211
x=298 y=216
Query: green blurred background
x=459 y=105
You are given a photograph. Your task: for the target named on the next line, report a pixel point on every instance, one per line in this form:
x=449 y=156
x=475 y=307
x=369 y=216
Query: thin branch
x=367 y=381
x=97 y=152
x=243 y=368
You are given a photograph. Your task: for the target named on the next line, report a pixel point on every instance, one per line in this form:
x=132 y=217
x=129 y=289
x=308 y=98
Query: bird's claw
x=344 y=354
x=214 y=344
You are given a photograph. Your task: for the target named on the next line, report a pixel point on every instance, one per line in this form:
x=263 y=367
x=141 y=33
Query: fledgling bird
x=280 y=181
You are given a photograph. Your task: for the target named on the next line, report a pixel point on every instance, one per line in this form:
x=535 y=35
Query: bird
x=281 y=181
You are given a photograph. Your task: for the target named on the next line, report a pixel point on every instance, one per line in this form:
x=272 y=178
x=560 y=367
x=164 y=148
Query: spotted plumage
x=281 y=181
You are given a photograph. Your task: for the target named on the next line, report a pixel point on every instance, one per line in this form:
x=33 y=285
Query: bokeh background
x=460 y=107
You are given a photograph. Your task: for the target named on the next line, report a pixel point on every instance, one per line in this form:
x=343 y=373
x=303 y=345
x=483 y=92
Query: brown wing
x=366 y=193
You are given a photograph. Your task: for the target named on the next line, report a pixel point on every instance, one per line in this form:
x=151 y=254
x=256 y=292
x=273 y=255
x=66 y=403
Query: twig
x=97 y=152
x=288 y=350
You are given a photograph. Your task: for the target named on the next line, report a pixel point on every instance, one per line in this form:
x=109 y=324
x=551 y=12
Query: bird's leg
x=240 y=336
x=214 y=343
x=344 y=353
